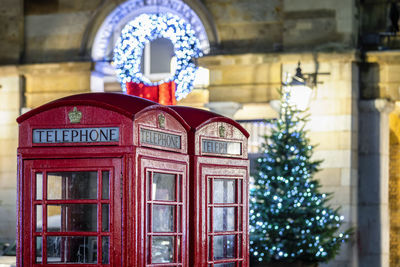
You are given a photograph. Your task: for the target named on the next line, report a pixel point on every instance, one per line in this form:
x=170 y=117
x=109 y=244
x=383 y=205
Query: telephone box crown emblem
x=75 y=116
x=221 y=131
x=161 y=121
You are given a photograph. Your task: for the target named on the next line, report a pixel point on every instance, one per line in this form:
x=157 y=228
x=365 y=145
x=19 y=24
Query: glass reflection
x=38 y=249
x=105 y=183
x=72 y=185
x=163 y=218
x=224 y=247
x=226 y=264
x=39 y=186
x=224 y=219
x=162 y=249
x=164 y=186
x=72 y=249
x=105 y=249
x=39 y=219
x=105 y=216
x=224 y=191
x=72 y=217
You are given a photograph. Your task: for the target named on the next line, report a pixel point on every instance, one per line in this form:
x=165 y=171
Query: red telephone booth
x=160 y=182
x=73 y=159
x=219 y=191
x=109 y=179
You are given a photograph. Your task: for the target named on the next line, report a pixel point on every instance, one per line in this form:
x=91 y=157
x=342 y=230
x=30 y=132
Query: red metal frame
x=32 y=167
x=148 y=162
x=237 y=232
x=208 y=168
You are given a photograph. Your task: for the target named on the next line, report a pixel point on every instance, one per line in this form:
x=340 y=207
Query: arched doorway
x=103 y=76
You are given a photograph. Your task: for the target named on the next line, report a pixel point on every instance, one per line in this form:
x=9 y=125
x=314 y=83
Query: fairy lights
x=146 y=28
x=289 y=218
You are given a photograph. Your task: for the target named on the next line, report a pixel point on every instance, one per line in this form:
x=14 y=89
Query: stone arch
x=394 y=186
x=110 y=18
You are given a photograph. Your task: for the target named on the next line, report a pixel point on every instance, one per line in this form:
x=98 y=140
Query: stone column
x=373 y=216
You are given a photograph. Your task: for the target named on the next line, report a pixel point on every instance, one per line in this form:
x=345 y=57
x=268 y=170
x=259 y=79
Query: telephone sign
x=221 y=147
x=160 y=138
x=76 y=135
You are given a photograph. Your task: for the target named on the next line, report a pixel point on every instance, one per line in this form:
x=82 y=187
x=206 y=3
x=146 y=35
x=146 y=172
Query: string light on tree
x=146 y=28
x=290 y=220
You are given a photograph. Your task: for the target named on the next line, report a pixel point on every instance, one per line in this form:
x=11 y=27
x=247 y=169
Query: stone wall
x=47 y=82
x=10 y=97
x=11 y=31
x=260 y=26
x=60 y=30
x=380 y=75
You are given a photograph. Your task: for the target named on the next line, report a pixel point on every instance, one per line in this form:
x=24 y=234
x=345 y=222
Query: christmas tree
x=290 y=220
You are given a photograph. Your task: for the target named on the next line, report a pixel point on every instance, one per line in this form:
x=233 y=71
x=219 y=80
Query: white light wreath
x=146 y=28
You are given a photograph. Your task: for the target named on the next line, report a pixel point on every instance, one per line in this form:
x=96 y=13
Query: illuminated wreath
x=146 y=28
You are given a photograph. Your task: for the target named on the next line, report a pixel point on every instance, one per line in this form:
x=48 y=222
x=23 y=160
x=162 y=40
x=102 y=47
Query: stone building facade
x=54 y=48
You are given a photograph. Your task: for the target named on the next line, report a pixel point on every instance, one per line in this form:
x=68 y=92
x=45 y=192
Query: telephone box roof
x=131 y=105
x=197 y=118
x=122 y=103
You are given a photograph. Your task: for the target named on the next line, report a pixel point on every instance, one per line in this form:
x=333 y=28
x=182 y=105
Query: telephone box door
x=164 y=184
x=226 y=205
x=71 y=212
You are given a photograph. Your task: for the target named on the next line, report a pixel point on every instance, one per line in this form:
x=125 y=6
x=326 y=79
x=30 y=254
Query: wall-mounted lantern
x=301 y=86
x=300 y=89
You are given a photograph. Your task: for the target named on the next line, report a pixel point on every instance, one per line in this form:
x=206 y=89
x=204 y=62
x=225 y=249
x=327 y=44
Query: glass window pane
x=240 y=246
x=149 y=224
x=162 y=249
x=105 y=249
x=224 y=191
x=39 y=218
x=148 y=187
x=240 y=218
x=179 y=248
x=39 y=249
x=179 y=188
x=164 y=186
x=163 y=218
x=224 y=247
x=179 y=219
x=39 y=186
x=105 y=183
x=161 y=51
x=209 y=219
x=226 y=264
x=210 y=246
x=72 y=217
x=148 y=245
x=224 y=219
x=72 y=185
x=240 y=195
x=105 y=216
x=209 y=191
x=72 y=249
